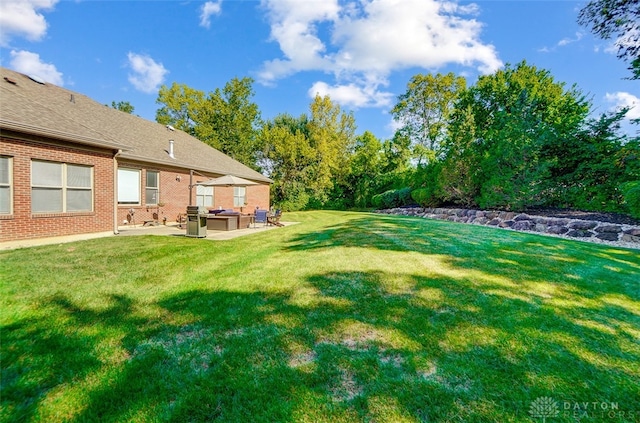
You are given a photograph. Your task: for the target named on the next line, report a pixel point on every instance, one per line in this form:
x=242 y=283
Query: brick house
x=69 y=165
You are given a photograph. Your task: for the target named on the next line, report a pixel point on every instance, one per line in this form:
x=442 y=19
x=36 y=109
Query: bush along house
x=70 y=165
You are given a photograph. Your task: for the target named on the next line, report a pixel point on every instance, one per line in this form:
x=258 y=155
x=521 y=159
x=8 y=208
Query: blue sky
x=361 y=53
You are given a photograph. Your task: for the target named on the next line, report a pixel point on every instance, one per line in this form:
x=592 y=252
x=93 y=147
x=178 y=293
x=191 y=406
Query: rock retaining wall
x=573 y=228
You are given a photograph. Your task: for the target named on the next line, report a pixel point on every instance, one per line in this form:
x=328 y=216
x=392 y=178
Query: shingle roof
x=45 y=109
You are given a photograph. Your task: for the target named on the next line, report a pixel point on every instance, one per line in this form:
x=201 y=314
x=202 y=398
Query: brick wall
x=174 y=193
x=174 y=196
x=256 y=196
x=23 y=224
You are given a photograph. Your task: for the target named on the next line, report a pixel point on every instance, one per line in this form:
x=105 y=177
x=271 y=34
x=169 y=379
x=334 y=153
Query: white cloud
x=567 y=41
x=622 y=99
x=21 y=18
x=30 y=64
x=147 y=74
x=562 y=43
x=208 y=9
x=364 y=41
x=352 y=94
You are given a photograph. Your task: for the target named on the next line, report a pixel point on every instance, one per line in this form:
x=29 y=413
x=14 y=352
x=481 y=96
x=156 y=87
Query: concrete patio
x=160 y=230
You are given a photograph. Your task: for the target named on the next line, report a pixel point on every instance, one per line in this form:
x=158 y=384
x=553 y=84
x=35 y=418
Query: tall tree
x=367 y=164
x=181 y=106
x=591 y=166
x=287 y=157
x=424 y=109
x=518 y=115
x=226 y=119
x=229 y=121
x=620 y=19
x=331 y=132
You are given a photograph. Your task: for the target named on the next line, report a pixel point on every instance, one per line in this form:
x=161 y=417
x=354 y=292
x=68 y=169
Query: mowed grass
x=343 y=317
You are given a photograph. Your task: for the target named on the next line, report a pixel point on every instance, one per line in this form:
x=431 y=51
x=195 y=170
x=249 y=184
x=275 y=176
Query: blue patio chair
x=261 y=216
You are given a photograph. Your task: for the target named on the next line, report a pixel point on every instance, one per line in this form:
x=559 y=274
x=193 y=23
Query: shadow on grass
x=368 y=347
x=517 y=255
x=501 y=321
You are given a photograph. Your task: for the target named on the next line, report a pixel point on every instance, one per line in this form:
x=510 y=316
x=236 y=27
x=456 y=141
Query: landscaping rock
x=631 y=235
x=557 y=229
x=607 y=236
x=540 y=227
x=522 y=216
x=580 y=233
x=523 y=225
x=506 y=215
x=614 y=229
x=582 y=225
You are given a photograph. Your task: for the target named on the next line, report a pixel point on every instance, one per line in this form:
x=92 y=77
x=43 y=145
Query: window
x=239 y=196
x=128 y=186
x=61 y=187
x=152 y=189
x=204 y=196
x=5 y=185
x=79 y=188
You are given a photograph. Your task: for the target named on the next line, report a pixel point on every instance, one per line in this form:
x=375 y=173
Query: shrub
x=392 y=198
x=404 y=196
x=425 y=197
x=376 y=201
x=631 y=193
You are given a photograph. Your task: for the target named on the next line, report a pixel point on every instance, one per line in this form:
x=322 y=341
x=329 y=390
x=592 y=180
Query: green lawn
x=343 y=317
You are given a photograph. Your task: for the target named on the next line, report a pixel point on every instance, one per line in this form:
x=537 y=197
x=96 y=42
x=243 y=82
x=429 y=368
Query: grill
x=196 y=221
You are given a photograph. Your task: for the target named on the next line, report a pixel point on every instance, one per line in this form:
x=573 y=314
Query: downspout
x=115 y=192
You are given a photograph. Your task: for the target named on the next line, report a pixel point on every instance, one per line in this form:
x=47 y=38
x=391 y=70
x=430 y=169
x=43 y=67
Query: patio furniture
x=274 y=219
x=244 y=221
x=222 y=223
x=262 y=216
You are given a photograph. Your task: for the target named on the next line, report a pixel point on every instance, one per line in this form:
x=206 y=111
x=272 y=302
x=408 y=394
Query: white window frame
x=151 y=190
x=7 y=186
x=126 y=194
x=239 y=196
x=63 y=188
x=204 y=193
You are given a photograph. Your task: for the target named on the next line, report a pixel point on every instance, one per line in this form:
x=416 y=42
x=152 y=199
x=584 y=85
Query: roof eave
x=60 y=135
x=182 y=165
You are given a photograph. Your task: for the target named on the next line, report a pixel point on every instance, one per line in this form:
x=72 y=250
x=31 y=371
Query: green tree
x=287 y=157
x=459 y=172
x=123 y=106
x=331 y=134
x=620 y=19
x=229 y=121
x=589 y=168
x=367 y=164
x=226 y=119
x=397 y=154
x=517 y=115
x=423 y=111
x=181 y=107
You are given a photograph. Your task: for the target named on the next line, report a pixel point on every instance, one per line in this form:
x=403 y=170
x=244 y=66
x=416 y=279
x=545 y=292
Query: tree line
x=516 y=139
